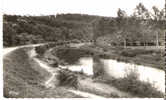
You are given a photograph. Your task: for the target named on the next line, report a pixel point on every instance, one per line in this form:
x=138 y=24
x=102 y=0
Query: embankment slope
x=23 y=78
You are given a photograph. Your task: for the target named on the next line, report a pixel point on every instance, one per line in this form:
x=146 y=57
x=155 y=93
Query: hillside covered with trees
x=142 y=28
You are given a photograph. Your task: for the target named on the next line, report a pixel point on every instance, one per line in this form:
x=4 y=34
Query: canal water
x=113 y=68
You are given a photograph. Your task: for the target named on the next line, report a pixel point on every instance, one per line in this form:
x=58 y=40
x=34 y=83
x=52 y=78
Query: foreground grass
x=81 y=82
x=132 y=84
x=23 y=78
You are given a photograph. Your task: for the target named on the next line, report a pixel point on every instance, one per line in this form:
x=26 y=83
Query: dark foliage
x=71 y=55
x=133 y=53
x=40 y=50
x=20 y=30
x=67 y=78
x=132 y=84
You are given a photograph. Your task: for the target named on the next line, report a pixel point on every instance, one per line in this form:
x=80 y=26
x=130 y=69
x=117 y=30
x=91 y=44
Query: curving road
x=48 y=82
x=10 y=49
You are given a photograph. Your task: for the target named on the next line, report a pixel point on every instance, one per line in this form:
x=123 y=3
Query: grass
x=24 y=78
x=151 y=58
x=71 y=55
x=98 y=92
x=74 y=80
x=144 y=57
x=131 y=83
x=133 y=53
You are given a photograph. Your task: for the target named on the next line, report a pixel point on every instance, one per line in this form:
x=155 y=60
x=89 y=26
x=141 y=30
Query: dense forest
x=143 y=28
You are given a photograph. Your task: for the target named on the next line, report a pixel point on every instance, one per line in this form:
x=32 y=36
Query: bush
x=142 y=89
x=133 y=53
x=67 y=78
x=131 y=83
x=128 y=54
x=71 y=55
x=41 y=49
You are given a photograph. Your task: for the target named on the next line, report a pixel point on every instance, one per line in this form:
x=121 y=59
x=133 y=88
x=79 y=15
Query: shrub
x=104 y=56
x=67 y=78
x=131 y=83
x=41 y=49
x=71 y=55
x=133 y=53
x=55 y=64
x=142 y=89
x=128 y=53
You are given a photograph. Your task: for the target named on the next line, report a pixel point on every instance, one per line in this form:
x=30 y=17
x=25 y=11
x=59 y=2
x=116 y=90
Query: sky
x=91 y=7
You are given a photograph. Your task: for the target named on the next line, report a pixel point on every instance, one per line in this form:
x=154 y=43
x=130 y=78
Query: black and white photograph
x=95 y=49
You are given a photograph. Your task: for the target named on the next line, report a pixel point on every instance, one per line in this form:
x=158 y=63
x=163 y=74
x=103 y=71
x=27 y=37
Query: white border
x=1 y=75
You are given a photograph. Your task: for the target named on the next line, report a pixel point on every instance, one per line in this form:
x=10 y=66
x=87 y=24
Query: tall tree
x=121 y=13
x=122 y=25
x=158 y=14
x=95 y=24
x=141 y=12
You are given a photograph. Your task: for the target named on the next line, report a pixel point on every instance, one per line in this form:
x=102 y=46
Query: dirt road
x=86 y=83
x=7 y=51
x=10 y=49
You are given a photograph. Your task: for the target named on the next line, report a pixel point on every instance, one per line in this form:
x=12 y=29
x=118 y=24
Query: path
x=7 y=51
x=104 y=88
x=10 y=49
x=101 y=87
x=53 y=71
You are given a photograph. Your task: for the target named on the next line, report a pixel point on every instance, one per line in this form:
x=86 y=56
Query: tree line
x=142 y=27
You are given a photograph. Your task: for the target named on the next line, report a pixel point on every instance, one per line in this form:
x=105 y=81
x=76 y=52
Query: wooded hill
x=138 y=29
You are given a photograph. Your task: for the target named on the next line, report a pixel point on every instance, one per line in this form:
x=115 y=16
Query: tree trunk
x=157 y=40
x=95 y=41
x=124 y=43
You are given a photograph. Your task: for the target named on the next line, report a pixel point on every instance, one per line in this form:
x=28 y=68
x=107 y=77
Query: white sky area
x=91 y=7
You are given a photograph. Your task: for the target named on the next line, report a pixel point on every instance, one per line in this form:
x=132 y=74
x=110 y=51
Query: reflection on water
x=146 y=74
x=85 y=65
x=120 y=69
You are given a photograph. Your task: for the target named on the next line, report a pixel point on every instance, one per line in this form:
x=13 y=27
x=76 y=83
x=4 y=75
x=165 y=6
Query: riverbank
x=25 y=79
x=86 y=83
x=137 y=55
x=147 y=57
x=77 y=59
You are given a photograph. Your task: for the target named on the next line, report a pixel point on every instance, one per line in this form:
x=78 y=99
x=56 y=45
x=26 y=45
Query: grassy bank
x=85 y=83
x=71 y=55
x=24 y=78
x=131 y=83
x=151 y=58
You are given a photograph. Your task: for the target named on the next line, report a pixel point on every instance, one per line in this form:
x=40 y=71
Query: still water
x=146 y=73
x=117 y=69
x=85 y=65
